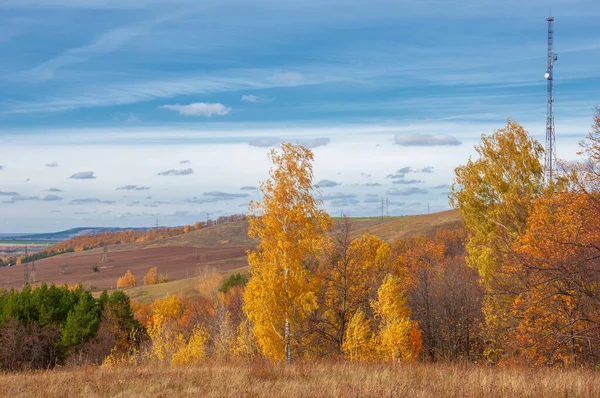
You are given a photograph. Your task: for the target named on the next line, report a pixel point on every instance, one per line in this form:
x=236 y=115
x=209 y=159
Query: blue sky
x=121 y=112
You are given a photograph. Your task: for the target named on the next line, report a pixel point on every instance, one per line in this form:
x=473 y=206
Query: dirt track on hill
x=178 y=262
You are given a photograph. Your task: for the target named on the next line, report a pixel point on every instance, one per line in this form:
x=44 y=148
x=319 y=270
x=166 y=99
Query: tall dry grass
x=309 y=379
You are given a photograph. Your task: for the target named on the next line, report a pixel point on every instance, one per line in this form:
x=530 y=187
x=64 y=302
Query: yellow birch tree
x=292 y=230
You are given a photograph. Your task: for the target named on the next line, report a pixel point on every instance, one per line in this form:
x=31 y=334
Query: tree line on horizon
x=101 y=239
x=518 y=283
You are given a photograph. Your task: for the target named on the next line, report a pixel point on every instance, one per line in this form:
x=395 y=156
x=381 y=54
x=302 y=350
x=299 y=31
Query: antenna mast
x=550 y=155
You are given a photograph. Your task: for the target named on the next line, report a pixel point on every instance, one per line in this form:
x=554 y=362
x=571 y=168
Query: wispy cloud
x=51 y=198
x=200 y=201
x=338 y=196
x=105 y=43
x=20 y=198
x=254 y=99
x=83 y=175
x=406 y=170
x=136 y=90
x=442 y=186
x=327 y=184
x=199 y=109
x=406 y=191
x=315 y=142
x=85 y=201
x=53 y=164
x=248 y=188
x=173 y=172
x=54 y=190
x=1 y=167
x=185 y=162
x=264 y=142
x=224 y=195
x=132 y=188
x=406 y=182
x=10 y=193
x=371 y=184
x=426 y=140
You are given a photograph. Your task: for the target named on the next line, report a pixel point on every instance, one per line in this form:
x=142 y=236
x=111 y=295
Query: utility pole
x=33 y=271
x=387 y=207
x=550 y=154
x=382 y=208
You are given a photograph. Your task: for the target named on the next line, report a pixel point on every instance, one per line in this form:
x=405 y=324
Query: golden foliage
x=127 y=280
x=349 y=279
x=151 y=278
x=292 y=230
x=399 y=337
x=494 y=194
x=359 y=344
x=192 y=351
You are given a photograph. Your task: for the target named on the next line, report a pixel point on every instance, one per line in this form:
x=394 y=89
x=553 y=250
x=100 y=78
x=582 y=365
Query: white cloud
x=425 y=140
x=53 y=164
x=327 y=184
x=83 y=175
x=338 y=196
x=51 y=198
x=173 y=172
x=91 y=201
x=199 y=109
x=218 y=195
x=131 y=187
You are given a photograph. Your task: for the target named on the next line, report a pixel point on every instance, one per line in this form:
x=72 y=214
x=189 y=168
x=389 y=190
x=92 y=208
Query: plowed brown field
x=176 y=261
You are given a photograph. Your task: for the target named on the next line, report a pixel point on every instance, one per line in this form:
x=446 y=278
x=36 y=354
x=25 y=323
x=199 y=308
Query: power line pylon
x=25 y=273
x=105 y=255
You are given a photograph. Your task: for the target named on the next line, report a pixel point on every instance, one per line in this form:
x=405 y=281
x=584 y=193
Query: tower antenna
x=550 y=155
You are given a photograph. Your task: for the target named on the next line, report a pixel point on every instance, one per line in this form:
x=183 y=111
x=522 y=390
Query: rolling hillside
x=222 y=246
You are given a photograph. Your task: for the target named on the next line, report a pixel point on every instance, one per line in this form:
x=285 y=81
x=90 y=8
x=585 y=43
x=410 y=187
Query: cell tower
x=550 y=157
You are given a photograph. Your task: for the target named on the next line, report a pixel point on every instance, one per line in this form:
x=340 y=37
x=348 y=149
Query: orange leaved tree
x=127 y=280
x=151 y=278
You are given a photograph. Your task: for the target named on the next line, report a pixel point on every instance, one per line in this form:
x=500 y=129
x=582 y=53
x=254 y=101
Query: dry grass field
x=311 y=379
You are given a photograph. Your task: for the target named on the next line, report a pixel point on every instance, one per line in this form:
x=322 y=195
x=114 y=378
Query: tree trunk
x=286 y=336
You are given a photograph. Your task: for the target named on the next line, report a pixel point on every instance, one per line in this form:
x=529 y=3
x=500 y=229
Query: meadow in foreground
x=308 y=379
